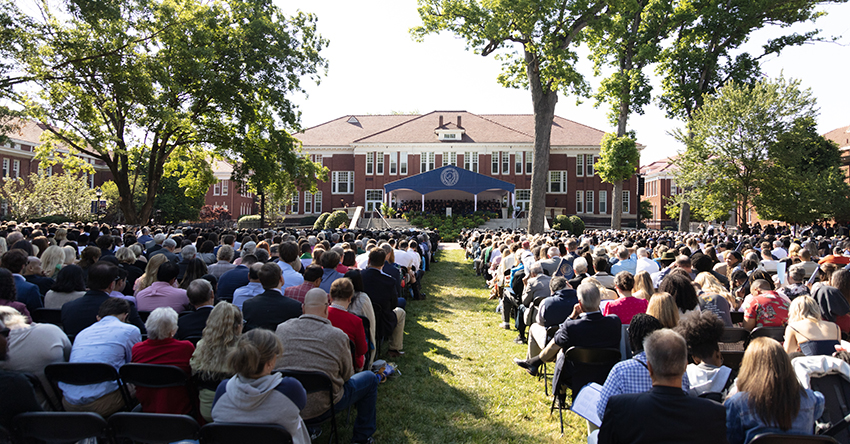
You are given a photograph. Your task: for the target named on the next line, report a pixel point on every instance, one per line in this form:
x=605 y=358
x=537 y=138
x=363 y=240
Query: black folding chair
x=153 y=428
x=59 y=427
x=84 y=373
x=238 y=433
x=590 y=365
x=41 y=390
x=154 y=376
x=193 y=339
x=317 y=382
x=48 y=316
x=777 y=333
x=732 y=358
x=737 y=317
x=781 y=438
x=367 y=326
x=734 y=339
x=545 y=375
x=836 y=413
x=380 y=334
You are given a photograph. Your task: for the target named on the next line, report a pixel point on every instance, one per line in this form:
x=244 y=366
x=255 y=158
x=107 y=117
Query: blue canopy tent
x=450 y=177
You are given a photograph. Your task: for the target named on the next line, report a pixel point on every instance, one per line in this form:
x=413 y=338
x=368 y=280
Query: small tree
x=562 y=223
x=577 y=224
x=41 y=195
x=320 y=222
x=618 y=162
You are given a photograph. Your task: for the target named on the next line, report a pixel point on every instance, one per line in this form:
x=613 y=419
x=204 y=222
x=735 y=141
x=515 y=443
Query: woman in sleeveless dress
x=807 y=332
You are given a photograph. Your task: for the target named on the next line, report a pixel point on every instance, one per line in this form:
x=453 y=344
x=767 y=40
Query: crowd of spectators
x=232 y=310
x=438 y=207
x=678 y=293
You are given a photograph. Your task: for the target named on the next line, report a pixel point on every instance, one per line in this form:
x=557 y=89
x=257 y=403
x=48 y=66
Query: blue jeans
x=362 y=391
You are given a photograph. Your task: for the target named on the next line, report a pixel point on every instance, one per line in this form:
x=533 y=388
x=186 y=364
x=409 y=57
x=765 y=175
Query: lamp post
x=99 y=193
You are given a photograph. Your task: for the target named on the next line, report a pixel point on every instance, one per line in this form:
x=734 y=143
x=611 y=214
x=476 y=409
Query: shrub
x=54 y=219
x=336 y=219
x=320 y=222
x=309 y=220
x=249 y=221
x=562 y=223
x=577 y=225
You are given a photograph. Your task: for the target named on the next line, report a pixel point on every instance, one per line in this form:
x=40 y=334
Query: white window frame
x=506 y=162
x=217 y=188
x=225 y=185
x=16 y=168
x=394 y=163
x=308 y=202
x=518 y=161
x=470 y=161
x=318 y=158
x=379 y=163
x=588 y=201
x=426 y=162
x=603 y=202
x=521 y=199
x=589 y=167
x=317 y=202
x=294 y=204
x=6 y=168
x=579 y=201
x=91 y=181
x=627 y=202
x=560 y=178
x=580 y=165
x=343 y=178
x=402 y=163
x=529 y=161
x=494 y=163
x=377 y=202
x=370 y=163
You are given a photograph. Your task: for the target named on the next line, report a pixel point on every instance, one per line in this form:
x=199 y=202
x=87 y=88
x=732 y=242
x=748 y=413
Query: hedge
x=577 y=224
x=336 y=219
x=320 y=222
x=562 y=223
x=249 y=221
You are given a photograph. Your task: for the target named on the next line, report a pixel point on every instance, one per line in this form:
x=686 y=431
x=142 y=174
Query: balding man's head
x=759 y=286
x=316 y=303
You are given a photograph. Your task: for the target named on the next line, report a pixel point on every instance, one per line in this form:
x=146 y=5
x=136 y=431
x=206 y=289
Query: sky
x=375 y=67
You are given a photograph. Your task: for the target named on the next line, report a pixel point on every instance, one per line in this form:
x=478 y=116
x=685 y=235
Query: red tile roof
x=478 y=128
x=841 y=136
x=659 y=167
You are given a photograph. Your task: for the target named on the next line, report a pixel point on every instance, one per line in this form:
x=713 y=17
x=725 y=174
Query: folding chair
x=193 y=339
x=317 y=382
x=53 y=427
x=370 y=355
x=40 y=390
x=84 y=373
x=836 y=392
x=238 y=433
x=591 y=365
x=380 y=334
x=734 y=339
x=781 y=438
x=777 y=333
x=737 y=317
x=545 y=375
x=153 y=428
x=732 y=358
x=48 y=316
x=155 y=376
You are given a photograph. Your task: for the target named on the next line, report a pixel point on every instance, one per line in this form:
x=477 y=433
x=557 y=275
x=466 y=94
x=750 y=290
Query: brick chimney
x=441 y=122
x=458 y=122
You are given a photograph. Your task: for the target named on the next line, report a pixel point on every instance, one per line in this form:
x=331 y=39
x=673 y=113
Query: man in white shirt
x=778 y=251
x=644 y=263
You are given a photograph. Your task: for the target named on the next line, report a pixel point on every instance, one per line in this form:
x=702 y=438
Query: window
x=293 y=208
x=427 y=162
x=588 y=163
x=673 y=188
x=580 y=165
x=91 y=181
x=470 y=161
x=244 y=189
x=374 y=198
x=5 y=167
x=317 y=202
x=523 y=199
x=506 y=162
x=557 y=181
x=603 y=202
x=626 y=201
x=579 y=201
x=445 y=158
x=308 y=202
x=494 y=163
x=217 y=188
x=394 y=163
x=379 y=163
x=518 y=162
x=318 y=158
x=402 y=166
x=16 y=168
x=528 y=162
x=453 y=158
x=588 y=201
x=343 y=182
x=225 y=184
x=45 y=171
x=370 y=163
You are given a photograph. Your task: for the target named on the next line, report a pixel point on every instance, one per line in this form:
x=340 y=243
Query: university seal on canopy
x=449 y=177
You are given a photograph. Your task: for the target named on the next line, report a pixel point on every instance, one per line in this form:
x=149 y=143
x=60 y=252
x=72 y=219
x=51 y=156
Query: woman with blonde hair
x=255 y=394
x=662 y=306
x=52 y=261
x=209 y=362
x=714 y=297
x=770 y=399
x=643 y=286
x=70 y=254
x=807 y=332
x=147 y=279
x=61 y=237
x=607 y=295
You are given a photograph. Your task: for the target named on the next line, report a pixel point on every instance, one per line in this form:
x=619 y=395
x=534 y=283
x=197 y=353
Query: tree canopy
x=167 y=85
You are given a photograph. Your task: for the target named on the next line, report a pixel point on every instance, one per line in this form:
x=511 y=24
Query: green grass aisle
x=458 y=383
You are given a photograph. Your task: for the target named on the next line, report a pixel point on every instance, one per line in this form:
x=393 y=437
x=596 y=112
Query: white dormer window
x=452 y=135
x=353 y=120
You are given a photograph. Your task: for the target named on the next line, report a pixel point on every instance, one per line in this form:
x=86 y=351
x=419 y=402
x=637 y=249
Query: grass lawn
x=459 y=383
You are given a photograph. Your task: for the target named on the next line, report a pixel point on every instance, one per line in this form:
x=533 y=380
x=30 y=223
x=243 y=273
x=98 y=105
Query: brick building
x=364 y=152
x=841 y=136
x=659 y=185
x=229 y=194
x=17 y=157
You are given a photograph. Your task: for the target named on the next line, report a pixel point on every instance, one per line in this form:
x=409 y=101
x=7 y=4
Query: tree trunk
x=544 y=100
x=617 y=205
x=685 y=217
x=262 y=210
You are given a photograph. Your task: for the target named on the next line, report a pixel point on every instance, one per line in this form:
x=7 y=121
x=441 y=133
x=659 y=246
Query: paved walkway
x=450 y=246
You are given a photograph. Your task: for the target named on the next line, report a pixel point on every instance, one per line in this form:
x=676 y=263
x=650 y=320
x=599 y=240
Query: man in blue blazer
x=381 y=289
x=82 y=312
x=270 y=308
x=235 y=278
x=26 y=293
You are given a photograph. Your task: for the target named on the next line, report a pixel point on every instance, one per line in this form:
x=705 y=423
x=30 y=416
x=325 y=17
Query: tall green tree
x=134 y=82
x=705 y=50
x=547 y=32
x=628 y=39
x=730 y=144
x=805 y=182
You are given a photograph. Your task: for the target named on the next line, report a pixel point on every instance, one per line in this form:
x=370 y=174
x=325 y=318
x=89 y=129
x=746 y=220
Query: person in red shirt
x=765 y=308
x=161 y=348
x=342 y=291
x=626 y=306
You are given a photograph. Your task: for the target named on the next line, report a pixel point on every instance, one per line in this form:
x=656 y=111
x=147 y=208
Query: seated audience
x=707 y=375
x=252 y=288
x=312 y=279
x=807 y=332
x=149 y=277
x=271 y=307
x=765 y=308
x=195 y=269
x=161 y=348
x=313 y=344
x=81 y=313
x=235 y=278
x=26 y=293
x=288 y=261
x=53 y=259
x=201 y=296
x=552 y=311
x=342 y=291
x=7 y=294
x=34 y=274
x=663 y=307
x=15 y=390
x=714 y=297
x=626 y=306
x=163 y=293
x=110 y=340
x=678 y=285
x=674 y=416
x=382 y=290
x=770 y=398
x=225 y=257
x=209 y=362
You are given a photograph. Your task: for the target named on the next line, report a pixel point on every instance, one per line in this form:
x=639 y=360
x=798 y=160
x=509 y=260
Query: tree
x=547 y=31
x=805 y=182
x=645 y=211
x=704 y=53
x=135 y=83
x=629 y=39
x=40 y=195
x=729 y=142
